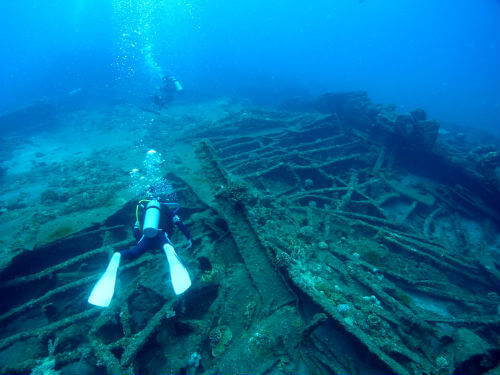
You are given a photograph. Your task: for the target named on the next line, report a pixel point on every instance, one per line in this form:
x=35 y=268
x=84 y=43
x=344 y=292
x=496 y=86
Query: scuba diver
x=149 y=237
x=171 y=87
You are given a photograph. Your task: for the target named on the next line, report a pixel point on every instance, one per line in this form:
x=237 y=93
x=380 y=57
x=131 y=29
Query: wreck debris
x=416 y=245
x=308 y=229
x=232 y=200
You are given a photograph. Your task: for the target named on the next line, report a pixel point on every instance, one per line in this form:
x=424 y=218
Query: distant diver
x=171 y=87
x=75 y=91
x=148 y=238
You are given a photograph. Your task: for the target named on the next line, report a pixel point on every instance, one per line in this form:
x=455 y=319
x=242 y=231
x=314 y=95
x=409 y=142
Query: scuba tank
x=151 y=219
x=177 y=84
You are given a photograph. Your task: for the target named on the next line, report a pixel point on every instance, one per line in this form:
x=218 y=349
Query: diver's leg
x=164 y=239
x=137 y=232
x=137 y=250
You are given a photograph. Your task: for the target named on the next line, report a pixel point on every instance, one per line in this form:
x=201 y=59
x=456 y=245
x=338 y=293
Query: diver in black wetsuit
x=150 y=237
x=171 y=87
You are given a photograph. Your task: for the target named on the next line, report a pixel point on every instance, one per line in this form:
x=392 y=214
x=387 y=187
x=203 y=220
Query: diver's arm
x=182 y=227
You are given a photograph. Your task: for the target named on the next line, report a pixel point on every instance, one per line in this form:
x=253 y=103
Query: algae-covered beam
x=231 y=200
x=429 y=220
x=49 y=329
x=106 y=357
x=357 y=188
x=412 y=193
x=379 y=161
x=140 y=339
x=60 y=266
x=435 y=251
x=337 y=148
x=62 y=289
x=332 y=162
x=431 y=259
x=350 y=190
x=363 y=338
x=402 y=219
x=492 y=322
x=28 y=366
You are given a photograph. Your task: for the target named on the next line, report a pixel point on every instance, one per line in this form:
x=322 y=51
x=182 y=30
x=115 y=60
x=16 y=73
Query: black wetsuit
x=167 y=93
x=168 y=218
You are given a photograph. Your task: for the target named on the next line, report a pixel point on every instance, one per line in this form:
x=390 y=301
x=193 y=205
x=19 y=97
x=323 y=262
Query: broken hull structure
x=321 y=247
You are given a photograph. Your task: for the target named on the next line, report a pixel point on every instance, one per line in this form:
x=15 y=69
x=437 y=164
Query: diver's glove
x=189 y=244
x=182 y=227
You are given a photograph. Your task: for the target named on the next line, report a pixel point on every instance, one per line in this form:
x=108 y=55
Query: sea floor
x=319 y=248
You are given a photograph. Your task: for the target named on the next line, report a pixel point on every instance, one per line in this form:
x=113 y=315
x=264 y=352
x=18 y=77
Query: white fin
x=104 y=289
x=178 y=273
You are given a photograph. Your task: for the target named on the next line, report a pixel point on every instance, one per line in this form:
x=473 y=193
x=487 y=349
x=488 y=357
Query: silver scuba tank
x=151 y=219
x=177 y=84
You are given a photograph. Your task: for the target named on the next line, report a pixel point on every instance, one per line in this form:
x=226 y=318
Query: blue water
x=441 y=55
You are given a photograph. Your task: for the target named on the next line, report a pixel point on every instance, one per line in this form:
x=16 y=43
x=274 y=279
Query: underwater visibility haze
x=250 y=187
x=439 y=55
